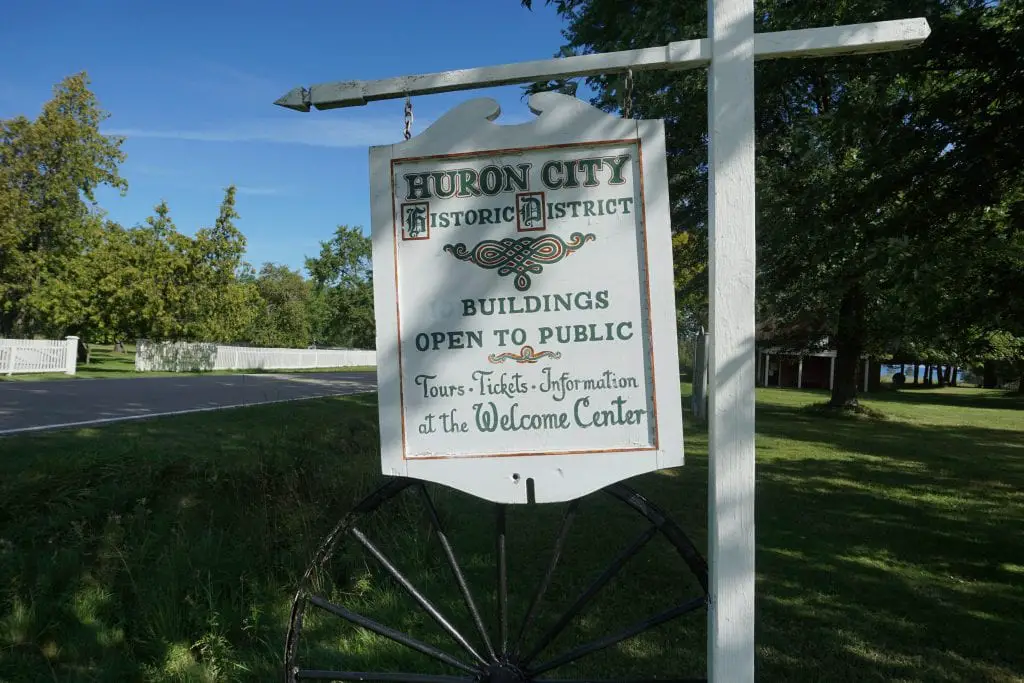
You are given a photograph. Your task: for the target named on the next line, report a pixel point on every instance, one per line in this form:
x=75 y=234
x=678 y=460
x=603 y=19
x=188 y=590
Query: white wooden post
x=71 y=355
x=732 y=278
x=12 y=351
x=831 y=372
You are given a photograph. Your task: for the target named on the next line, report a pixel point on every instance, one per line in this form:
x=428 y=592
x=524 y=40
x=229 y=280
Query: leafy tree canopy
x=889 y=185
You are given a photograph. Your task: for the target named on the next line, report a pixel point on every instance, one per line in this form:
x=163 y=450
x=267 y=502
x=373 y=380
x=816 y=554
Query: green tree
x=874 y=172
x=125 y=281
x=342 y=301
x=284 y=317
x=124 y=286
x=218 y=307
x=153 y=282
x=49 y=170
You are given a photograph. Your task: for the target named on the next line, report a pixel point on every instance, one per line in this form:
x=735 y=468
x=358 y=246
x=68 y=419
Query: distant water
x=890 y=370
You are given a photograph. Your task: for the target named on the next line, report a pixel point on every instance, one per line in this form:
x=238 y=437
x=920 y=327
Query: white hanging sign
x=526 y=332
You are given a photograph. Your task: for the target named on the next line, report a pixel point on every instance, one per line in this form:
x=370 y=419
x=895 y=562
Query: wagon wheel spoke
x=368 y=677
x=389 y=632
x=491 y=655
x=683 y=545
x=391 y=488
x=414 y=593
x=502 y=579
x=601 y=643
x=630 y=680
x=460 y=579
x=563 y=534
x=587 y=595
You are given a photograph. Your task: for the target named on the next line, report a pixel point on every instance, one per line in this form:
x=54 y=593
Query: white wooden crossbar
x=880 y=36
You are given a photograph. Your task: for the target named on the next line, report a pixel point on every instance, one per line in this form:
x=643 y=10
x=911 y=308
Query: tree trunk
x=952 y=375
x=84 y=352
x=849 y=346
x=940 y=375
x=989 y=378
x=917 y=370
x=874 y=379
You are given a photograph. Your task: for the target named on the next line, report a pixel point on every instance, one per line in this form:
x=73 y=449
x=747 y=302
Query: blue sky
x=191 y=86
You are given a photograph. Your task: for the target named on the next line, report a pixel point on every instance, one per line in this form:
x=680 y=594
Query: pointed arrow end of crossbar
x=296 y=99
x=920 y=28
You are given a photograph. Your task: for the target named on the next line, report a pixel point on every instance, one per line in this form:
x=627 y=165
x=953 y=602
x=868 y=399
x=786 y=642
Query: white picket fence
x=196 y=356
x=22 y=356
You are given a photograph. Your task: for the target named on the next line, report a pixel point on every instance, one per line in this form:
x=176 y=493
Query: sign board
x=523 y=284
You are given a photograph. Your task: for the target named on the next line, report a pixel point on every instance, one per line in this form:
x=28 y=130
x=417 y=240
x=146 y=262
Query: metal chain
x=627 y=102
x=408 y=117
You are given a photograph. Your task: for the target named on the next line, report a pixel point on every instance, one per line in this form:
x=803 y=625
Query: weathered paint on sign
x=524 y=295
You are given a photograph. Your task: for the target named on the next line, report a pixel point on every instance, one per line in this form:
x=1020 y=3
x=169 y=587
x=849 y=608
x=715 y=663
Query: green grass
x=105 y=363
x=169 y=550
x=895 y=542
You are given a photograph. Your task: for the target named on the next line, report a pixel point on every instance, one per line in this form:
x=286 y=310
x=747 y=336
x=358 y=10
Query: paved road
x=31 y=406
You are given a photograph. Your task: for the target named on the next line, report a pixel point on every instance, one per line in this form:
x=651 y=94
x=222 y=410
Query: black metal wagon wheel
x=386 y=593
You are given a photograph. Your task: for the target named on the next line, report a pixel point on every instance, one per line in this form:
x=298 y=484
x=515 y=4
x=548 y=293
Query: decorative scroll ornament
x=527 y=354
x=524 y=256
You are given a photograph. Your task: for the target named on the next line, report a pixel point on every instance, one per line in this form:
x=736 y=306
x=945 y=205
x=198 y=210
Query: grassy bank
x=169 y=550
x=106 y=363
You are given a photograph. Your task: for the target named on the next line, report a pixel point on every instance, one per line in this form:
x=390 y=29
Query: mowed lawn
x=169 y=550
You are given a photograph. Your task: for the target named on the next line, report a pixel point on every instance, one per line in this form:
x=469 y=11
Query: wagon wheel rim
x=507 y=657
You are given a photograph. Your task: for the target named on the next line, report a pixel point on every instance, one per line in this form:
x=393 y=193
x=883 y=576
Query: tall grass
x=169 y=550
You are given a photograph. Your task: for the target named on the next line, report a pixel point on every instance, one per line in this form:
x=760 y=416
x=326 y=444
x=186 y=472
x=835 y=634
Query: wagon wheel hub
x=503 y=672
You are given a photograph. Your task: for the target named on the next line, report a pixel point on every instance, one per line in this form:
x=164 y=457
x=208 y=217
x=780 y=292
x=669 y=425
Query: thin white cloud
x=221 y=82
x=304 y=129
x=185 y=179
x=240 y=79
x=155 y=171
x=317 y=133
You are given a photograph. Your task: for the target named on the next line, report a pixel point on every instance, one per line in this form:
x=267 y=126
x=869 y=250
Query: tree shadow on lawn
x=886 y=551
x=888 y=548
x=952 y=396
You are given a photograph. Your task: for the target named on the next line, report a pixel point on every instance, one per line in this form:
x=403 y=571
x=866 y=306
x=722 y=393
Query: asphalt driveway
x=32 y=406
